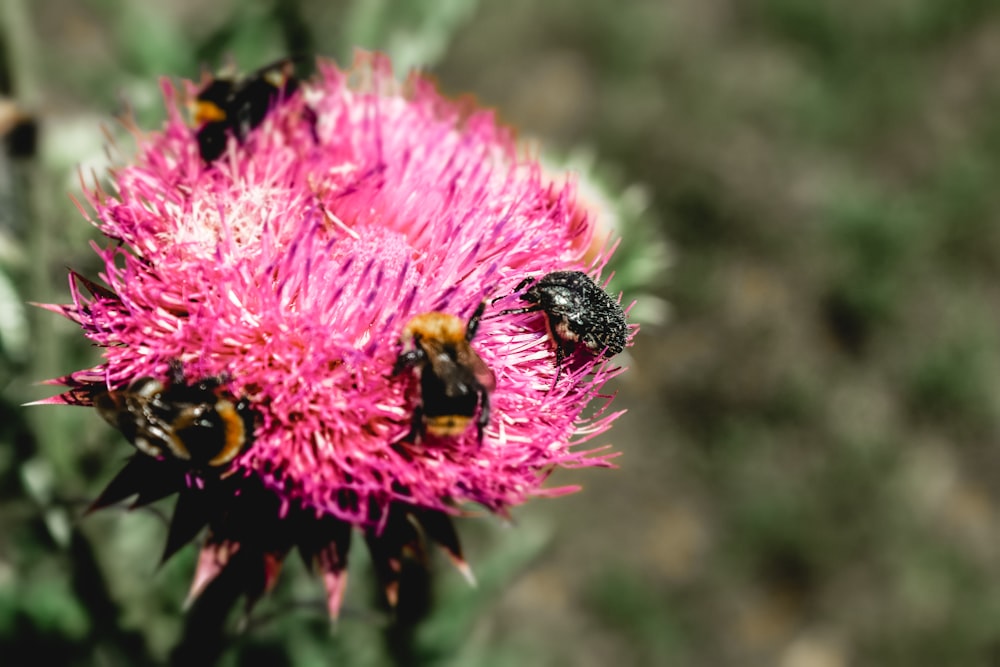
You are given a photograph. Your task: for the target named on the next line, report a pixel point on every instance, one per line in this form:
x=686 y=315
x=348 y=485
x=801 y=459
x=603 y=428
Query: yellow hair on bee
x=236 y=436
x=205 y=112
x=447 y=425
x=442 y=327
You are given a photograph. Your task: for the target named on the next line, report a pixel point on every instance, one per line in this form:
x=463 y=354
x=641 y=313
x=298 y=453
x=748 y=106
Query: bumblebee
x=577 y=312
x=227 y=105
x=454 y=380
x=192 y=423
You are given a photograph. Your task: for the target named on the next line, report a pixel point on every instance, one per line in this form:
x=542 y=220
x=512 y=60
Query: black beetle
x=577 y=312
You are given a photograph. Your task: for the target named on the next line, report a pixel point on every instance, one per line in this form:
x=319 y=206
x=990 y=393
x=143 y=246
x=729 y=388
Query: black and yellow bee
x=577 y=312
x=197 y=424
x=236 y=106
x=454 y=380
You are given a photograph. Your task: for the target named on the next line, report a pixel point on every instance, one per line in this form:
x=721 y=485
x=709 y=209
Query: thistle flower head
x=285 y=271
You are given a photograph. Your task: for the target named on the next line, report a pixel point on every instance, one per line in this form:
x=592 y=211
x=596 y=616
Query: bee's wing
x=468 y=358
x=441 y=362
x=120 y=409
x=110 y=404
x=460 y=370
x=278 y=74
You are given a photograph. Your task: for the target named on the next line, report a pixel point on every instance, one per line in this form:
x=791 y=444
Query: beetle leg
x=560 y=358
x=520 y=286
x=484 y=414
x=518 y=311
x=524 y=283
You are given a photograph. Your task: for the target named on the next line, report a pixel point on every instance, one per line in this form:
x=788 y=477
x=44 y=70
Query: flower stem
x=204 y=636
x=415 y=602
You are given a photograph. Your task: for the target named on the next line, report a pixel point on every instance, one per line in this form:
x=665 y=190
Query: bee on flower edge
x=194 y=423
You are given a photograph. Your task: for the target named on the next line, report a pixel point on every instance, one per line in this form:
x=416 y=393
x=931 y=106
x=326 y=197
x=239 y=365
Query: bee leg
x=470 y=328
x=407 y=360
x=176 y=371
x=312 y=120
x=416 y=426
x=143 y=441
x=484 y=415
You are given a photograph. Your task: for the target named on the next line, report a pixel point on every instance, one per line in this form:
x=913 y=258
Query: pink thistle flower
x=280 y=276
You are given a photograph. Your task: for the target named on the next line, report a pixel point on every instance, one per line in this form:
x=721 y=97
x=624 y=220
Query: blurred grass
x=811 y=458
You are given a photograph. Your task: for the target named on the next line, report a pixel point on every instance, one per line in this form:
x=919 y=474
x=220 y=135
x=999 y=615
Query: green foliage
x=873 y=241
x=444 y=638
x=650 y=622
x=417 y=34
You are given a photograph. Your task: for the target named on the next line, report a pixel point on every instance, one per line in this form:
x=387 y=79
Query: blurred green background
x=811 y=455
